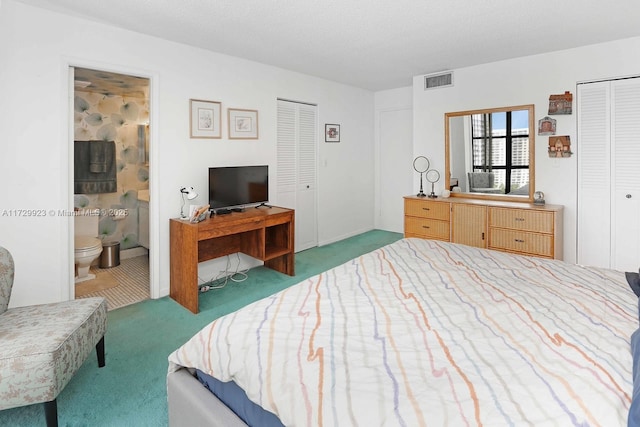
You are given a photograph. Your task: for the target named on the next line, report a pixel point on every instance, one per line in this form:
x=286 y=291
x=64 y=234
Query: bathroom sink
x=143 y=195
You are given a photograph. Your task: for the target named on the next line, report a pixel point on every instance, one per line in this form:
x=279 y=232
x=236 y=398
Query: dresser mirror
x=489 y=153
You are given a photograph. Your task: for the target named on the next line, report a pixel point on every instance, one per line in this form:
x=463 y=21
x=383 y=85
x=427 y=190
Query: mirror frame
x=532 y=151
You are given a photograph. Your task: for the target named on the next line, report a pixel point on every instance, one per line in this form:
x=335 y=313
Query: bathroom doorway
x=111 y=112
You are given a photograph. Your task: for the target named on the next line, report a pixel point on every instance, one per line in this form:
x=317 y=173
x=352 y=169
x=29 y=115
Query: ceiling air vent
x=433 y=81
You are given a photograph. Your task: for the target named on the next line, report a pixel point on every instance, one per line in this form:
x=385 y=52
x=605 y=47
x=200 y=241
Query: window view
x=500 y=147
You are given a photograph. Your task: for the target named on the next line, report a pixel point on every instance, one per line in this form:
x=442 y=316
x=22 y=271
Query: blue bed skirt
x=236 y=399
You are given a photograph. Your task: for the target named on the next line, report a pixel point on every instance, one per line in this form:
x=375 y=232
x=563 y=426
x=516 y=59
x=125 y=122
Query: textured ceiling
x=372 y=44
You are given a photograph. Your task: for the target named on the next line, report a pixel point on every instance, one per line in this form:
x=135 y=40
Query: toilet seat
x=86 y=243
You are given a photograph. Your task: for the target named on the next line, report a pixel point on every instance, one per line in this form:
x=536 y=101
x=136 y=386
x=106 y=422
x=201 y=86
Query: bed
x=419 y=332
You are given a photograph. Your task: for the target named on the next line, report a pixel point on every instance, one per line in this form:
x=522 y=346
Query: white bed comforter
x=423 y=332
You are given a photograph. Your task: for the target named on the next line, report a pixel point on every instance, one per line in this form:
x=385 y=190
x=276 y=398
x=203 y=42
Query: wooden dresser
x=522 y=228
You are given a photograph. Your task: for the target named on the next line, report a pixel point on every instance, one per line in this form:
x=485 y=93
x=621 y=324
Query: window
x=500 y=144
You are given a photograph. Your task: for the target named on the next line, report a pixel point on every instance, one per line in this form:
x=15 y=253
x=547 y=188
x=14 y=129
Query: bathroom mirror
x=489 y=153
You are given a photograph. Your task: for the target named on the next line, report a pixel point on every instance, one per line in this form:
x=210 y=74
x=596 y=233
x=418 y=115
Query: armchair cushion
x=6 y=278
x=42 y=347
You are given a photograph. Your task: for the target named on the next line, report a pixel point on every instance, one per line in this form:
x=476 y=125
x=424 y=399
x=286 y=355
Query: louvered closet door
x=594 y=183
x=297 y=168
x=608 y=178
x=625 y=173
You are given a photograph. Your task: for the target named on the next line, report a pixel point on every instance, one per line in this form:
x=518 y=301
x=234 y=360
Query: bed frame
x=192 y=405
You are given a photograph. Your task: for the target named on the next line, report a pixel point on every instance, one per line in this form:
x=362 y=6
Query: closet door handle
x=628 y=196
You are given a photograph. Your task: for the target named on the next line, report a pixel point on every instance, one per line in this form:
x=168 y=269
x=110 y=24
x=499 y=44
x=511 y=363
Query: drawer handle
x=426 y=209
x=519 y=240
x=519 y=219
x=425 y=226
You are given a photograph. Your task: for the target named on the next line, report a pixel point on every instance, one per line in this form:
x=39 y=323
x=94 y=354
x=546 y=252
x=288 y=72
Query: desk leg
x=184 y=264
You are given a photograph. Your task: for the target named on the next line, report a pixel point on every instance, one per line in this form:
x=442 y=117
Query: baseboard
x=344 y=236
x=133 y=252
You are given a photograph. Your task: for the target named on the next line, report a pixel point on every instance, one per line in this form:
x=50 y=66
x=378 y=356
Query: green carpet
x=131 y=389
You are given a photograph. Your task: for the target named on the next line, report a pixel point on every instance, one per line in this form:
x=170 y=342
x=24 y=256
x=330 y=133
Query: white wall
x=527 y=80
x=36 y=48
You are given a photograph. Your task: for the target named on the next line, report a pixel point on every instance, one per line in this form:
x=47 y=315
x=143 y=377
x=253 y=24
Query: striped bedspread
x=423 y=332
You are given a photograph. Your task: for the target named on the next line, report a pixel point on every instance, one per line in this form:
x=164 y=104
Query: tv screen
x=238 y=186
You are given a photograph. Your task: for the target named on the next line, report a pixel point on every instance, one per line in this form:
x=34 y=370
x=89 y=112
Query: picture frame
x=205 y=119
x=331 y=132
x=242 y=124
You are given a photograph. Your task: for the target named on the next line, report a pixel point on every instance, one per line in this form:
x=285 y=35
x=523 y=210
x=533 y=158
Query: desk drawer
x=521 y=242
x=426 y=228
x=521 y=219
x=427 y=209
x=224 y=229
x=278 y=219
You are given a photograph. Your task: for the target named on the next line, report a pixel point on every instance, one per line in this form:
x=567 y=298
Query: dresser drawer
x=521 y=219
x=426 y=228
x=521 y=242
x=427 y=209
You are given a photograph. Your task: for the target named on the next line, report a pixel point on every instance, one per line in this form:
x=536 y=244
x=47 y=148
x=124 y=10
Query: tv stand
x=263 y=204
x=264 y=234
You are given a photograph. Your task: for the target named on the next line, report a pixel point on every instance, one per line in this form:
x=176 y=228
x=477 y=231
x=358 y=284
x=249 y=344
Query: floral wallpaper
x=125 y=121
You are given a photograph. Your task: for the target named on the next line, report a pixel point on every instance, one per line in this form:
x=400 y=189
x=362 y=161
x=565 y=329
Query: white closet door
x=625 y=149
x=287 y=165
x=306 y=228
x=594 y=184
x=297 y=168
x=396 y=173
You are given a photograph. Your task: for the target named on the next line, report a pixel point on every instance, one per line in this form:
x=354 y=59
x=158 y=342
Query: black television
x=238 y=186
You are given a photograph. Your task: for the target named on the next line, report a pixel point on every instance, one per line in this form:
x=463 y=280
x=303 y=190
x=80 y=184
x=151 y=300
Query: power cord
x=222 y=278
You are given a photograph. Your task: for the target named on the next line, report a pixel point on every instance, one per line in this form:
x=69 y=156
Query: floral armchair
x=42 y=346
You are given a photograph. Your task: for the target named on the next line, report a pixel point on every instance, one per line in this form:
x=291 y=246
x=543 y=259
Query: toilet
x=87 y=245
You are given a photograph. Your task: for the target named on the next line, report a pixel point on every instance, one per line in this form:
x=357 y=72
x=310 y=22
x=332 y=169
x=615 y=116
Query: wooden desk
x=264 y=233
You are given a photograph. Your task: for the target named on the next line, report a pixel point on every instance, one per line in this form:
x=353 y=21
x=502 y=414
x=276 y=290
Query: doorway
x=112 y=109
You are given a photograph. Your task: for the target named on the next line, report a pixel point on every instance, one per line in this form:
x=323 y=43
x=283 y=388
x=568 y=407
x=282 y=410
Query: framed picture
x=331 y=133
x=206 y=119
x=243 y=124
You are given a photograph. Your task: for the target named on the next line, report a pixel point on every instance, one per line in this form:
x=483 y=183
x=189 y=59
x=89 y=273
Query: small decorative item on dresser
x=538 y=198
x=433 y=176
x=421 y=165
x=445 y=193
